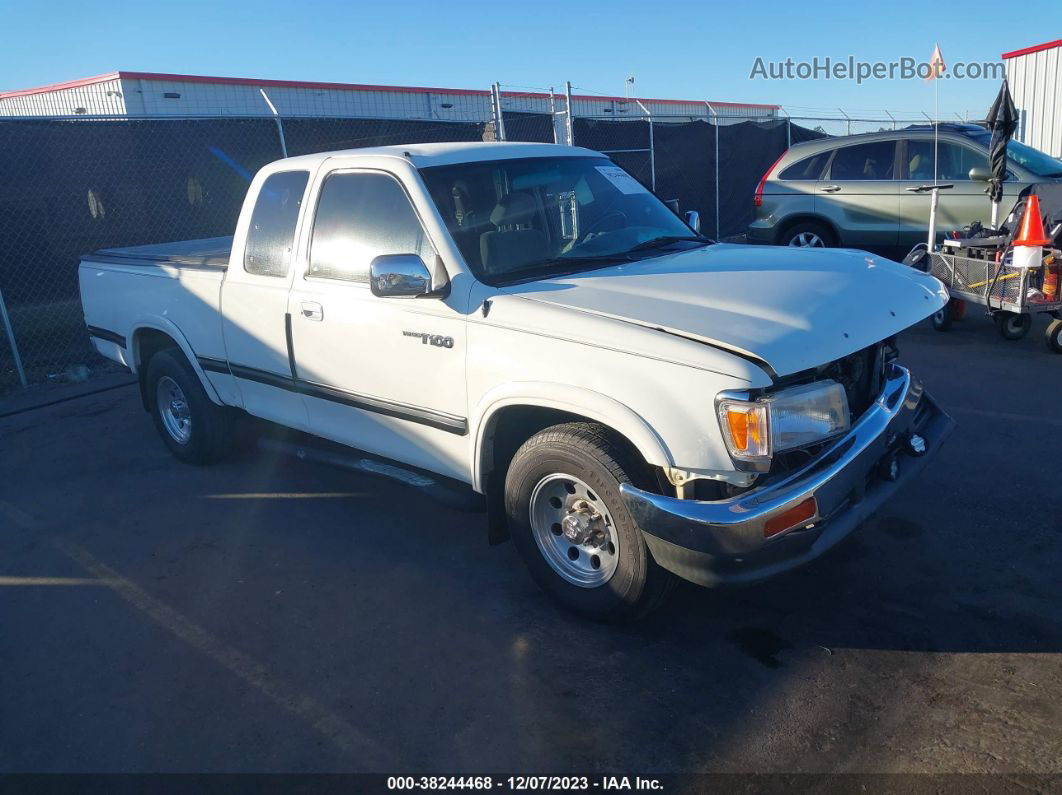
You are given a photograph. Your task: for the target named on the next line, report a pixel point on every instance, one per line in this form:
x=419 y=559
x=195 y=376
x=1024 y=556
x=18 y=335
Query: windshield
x=1026 y=157
x=545 y=216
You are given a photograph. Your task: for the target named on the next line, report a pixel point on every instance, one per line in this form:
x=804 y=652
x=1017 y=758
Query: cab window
x=272 y=231
x=361 y=216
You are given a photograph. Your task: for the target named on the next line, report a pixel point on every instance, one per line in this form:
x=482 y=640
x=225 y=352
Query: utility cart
x=1014 y=277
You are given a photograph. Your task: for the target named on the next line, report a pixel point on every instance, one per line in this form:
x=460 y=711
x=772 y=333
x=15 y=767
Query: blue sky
x=677 y=49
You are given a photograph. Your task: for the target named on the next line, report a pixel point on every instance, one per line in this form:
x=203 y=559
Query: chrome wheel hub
x=174 y=410
x=574 y=530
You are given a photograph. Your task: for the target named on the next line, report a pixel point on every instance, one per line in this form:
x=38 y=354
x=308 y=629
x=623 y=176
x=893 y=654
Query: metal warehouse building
x=1035 y=77
x=138 y=94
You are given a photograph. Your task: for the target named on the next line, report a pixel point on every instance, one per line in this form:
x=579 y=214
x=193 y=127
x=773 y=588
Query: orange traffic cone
x=1028 y=251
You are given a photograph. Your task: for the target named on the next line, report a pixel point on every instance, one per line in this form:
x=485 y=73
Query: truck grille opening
x=861 y=374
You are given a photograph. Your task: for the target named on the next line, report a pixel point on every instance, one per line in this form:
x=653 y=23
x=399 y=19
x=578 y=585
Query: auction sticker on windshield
x=623 y=181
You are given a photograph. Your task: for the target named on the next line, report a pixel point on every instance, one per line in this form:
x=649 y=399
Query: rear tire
x=572 y=528
x=807 y=234
x=194 y=428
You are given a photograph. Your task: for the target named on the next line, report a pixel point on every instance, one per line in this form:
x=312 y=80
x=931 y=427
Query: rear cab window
x=272 y=231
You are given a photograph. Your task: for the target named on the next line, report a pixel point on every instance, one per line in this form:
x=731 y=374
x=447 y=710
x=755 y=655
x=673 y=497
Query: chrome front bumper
x=723 y=542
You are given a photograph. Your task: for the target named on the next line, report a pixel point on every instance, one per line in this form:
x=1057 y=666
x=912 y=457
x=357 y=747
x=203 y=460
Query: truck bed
x=210 y=253
x=171 y=287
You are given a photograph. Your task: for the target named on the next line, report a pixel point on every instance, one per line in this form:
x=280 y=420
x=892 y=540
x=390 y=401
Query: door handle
x=831 y=189
x=311 y=310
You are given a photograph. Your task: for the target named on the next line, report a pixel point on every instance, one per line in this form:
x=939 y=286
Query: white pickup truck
x=634 y=400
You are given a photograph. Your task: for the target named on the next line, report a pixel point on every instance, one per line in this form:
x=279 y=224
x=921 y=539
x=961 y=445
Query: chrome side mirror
x=978 y=174
x=401 y=276
x=693 y=220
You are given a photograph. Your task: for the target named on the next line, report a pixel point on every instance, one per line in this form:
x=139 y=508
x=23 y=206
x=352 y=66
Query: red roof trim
x=85 y=81
x=251 y=81
x=1035 y=48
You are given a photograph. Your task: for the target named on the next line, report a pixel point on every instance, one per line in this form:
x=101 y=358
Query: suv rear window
x=808 y=168
x=864 y=161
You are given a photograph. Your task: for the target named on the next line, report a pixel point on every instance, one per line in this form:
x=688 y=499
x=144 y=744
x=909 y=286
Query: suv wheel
x=573 y=529
x=807 y=234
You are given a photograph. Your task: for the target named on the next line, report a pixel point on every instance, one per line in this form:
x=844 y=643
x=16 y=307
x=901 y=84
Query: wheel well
x=509 y=428
x=783 y=230
x=146 y=343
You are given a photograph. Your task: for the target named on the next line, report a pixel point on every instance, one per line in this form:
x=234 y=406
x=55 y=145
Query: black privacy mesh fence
x=68 y=187
x=71 y=186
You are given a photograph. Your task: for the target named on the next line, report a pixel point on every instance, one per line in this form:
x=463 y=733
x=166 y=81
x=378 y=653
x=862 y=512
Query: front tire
x=1013 y=326
x=942 y=318
x=194 y=428
x=572 y=528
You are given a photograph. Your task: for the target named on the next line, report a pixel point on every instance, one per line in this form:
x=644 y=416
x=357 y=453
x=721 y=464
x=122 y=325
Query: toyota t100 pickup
x=635 y=401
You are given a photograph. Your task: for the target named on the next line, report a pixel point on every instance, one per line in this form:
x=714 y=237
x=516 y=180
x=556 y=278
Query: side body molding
x=168 y=327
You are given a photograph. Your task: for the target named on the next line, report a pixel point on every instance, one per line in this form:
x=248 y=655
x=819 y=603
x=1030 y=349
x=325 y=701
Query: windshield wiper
x=664 y=240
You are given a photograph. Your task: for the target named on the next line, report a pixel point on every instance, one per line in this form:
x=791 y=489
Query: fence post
x=499 y=118
x=11 y=341
x=553 y=114
x=652 y=147
x=715 y=125
x=276 y=118
x=568 y=128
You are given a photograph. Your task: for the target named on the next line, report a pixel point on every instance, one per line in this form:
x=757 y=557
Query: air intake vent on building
x=171 y=95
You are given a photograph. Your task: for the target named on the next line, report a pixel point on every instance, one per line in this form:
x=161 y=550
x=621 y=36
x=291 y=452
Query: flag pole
x=936 y=117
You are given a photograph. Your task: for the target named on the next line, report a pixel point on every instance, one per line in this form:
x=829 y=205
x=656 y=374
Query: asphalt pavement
x=270 y=615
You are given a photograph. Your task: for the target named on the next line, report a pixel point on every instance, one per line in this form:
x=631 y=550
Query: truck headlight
x=794 y=417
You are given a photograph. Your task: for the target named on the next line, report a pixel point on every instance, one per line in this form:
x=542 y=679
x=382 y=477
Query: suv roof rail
x=951 y=126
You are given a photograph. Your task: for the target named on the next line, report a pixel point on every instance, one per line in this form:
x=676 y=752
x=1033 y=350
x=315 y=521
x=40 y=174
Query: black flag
x=1002 y=120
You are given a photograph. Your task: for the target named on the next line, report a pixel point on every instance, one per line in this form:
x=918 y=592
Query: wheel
x=572 y=528
x=807 y=234
x=1012 y=325
x=1053 y=337
x=194 y=428
x=942 y=318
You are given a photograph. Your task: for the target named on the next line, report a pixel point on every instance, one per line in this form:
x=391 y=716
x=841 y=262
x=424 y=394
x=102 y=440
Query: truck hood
x=788 y=308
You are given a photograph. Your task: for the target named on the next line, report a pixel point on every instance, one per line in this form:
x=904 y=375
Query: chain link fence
x=71 y=186
x=74 y=185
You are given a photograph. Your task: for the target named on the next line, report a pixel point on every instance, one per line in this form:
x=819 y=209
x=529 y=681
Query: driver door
x=385 y=375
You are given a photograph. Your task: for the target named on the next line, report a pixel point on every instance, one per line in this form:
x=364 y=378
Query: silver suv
x=856 y=191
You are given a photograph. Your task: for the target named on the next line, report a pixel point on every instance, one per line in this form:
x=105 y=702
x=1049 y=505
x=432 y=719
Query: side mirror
x=401 y=276
x=978 y=174
x=693 y=220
